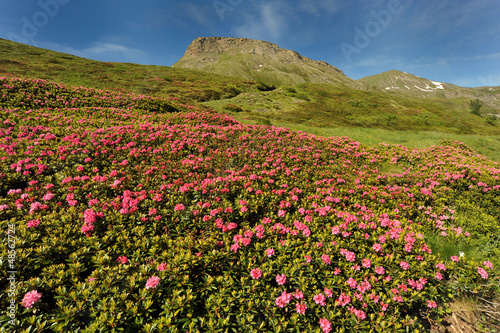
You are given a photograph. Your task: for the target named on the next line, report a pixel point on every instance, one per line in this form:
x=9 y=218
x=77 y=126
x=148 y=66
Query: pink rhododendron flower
x=301 y=308
x=152 y=282
x=270 y=252
x=179 y=207
x=441 y=266
x=455 y=258
x=30 y=299
x=325 y=325
x=281 y=279
x=162 y=267
x=431 y=304
x=319 y=299
x=48 y=196
x=404 y=265
x=298 y=294
x=326 y=259
x=284 y=299
x=255 y=273
x=366 y=263
x=33 y=223
x=380 y=270
x=488 y=264
x=482 y=272
x=122 y=259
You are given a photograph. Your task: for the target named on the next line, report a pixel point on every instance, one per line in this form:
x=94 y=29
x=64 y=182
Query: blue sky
x=454 y=41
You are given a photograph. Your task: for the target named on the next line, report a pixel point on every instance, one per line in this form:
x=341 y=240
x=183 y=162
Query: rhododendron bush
x=130 y=217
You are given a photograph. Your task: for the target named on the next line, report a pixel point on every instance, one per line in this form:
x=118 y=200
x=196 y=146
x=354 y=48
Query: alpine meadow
x=246 y=188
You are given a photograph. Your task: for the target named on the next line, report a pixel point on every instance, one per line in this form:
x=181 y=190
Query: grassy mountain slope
x=409 y=84
x=319 y=108
x=19 y=60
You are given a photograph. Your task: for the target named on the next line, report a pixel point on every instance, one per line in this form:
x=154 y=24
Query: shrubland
x=135 y=213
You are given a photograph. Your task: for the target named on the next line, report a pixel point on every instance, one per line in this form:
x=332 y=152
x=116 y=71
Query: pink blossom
x=284 y=299
x=255 y=273
x=270 y=252
x=162 y=267
x=380 y=270
x=377 y=247
x=33 y=223
x=488 y=264
x=30 y=299
x=48 y=196
x=350 y=256
x=122 y=259
x=319 y=299
x=298 y=294
x=325 y=325
x=328 y=292
x=482 y=272
x=326 y=259
x=152 y=282
x=366 y=263
x=439 y=276
x=404 y=265
x=455 y=258
x=441 y=266
x=352 y=283
x=301 y=308
x=308 y=259
x=281 y=279
x=431 y=304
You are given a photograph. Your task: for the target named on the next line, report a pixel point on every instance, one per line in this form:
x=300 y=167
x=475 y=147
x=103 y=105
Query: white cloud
x=100 y=51
x=268 y=23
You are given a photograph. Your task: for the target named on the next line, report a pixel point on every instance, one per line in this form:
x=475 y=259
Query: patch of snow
x=423 y=89
x=439 y=85
x=407 y=87
x=260 y=65
x=490 y=89
x=387 y=88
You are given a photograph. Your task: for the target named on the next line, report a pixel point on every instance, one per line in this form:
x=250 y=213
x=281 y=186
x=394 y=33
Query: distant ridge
x=409 y=84
x=259 y=60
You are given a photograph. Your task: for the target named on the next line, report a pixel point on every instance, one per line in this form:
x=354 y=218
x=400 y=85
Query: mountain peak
x=258 y=60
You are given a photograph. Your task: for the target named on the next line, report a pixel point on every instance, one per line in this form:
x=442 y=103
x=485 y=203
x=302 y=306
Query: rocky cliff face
x=258 y=60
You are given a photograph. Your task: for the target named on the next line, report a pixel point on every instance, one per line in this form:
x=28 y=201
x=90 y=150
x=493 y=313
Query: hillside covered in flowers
x=140 y=214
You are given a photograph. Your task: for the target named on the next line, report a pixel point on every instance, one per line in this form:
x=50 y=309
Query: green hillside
x=324 y=109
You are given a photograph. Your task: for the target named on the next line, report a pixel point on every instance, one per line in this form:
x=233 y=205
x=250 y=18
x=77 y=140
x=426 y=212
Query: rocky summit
x=259 y=60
